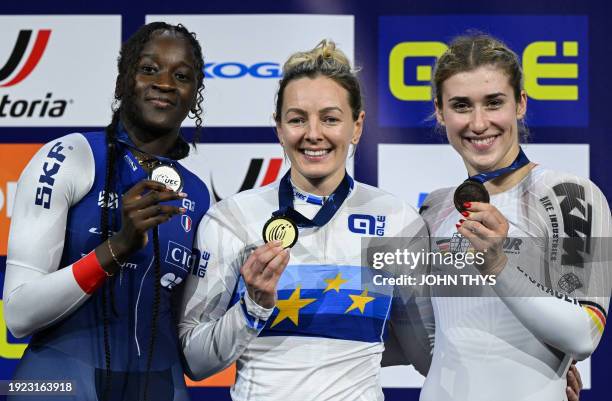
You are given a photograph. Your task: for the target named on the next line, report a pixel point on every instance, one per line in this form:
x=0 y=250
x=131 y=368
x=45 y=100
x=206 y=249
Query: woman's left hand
x=486 y=228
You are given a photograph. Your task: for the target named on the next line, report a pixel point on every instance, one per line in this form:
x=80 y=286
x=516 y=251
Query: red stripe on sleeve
x=88 y=273
x=598 y=313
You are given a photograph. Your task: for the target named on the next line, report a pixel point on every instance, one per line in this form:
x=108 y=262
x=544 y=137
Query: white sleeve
x=412 y=326
x=58 y=176
x=212 y=335
x=568 y=309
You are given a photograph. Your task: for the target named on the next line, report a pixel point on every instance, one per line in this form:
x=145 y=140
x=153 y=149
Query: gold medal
x=280 y=229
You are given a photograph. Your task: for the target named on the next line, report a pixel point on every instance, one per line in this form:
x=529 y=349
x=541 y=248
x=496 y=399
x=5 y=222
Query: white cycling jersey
x=324 y=338
x=514 y=341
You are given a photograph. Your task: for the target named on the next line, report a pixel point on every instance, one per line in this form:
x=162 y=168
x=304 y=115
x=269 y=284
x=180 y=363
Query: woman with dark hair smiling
x=101 y=231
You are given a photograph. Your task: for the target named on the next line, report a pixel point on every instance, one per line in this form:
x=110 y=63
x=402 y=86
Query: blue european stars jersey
x=324 y=338
x=58 y=206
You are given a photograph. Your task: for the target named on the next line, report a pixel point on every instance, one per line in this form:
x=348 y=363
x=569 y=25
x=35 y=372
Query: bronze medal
x=470 y=191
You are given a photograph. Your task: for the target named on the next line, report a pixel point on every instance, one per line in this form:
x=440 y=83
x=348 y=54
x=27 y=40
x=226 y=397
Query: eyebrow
x=467 y=99
x=331 y=108
x=153 y=57
x=324 y=110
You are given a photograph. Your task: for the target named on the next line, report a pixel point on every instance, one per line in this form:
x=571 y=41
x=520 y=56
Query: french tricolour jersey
x=515 y=341
x=56 y=221
x=324 y=338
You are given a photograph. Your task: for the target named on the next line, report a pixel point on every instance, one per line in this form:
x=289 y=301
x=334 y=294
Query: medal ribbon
x=327 y=211
x=124 y=139
x=520 y=161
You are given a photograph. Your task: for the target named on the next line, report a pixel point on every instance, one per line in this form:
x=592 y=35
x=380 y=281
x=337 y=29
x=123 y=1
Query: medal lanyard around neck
x=327 y=211
x=520 y=161
x=124 y=139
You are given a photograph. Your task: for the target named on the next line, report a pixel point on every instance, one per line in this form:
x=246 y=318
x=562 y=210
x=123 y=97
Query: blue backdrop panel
x=578 y=31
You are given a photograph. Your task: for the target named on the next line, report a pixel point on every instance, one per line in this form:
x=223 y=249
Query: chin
x=159 y=125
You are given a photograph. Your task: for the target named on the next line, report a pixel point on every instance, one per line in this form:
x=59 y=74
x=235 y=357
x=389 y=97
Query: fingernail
x=467 y=205
x=461 y=221
x=182 y=209
x=182 y=194
x=466 y=214
x=457 y=225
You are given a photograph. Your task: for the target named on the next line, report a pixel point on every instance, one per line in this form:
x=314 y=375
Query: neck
x=324 y=186
x=155 y=143
x=505 y=182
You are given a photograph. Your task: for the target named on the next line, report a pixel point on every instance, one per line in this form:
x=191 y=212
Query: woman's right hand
x=262 y=270
x=140 y=211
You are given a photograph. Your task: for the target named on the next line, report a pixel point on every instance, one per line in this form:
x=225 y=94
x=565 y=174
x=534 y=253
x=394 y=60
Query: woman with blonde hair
x=302 y=318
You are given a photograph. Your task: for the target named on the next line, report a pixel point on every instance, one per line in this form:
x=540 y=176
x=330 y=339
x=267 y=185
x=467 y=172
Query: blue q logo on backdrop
x=554 y=60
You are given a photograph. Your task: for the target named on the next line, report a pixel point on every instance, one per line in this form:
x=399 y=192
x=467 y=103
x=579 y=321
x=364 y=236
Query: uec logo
x=234 y=69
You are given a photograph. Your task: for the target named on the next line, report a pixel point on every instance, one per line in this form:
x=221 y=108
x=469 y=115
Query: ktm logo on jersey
x=577 y=222
x=14 y=159
x=18 y=53
x=253 y=173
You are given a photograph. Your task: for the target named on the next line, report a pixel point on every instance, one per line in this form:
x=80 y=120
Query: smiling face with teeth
x=480 y=114
x=316 y=129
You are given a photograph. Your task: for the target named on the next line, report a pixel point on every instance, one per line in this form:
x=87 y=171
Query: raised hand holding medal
x=281 y=229
x=482 y=223
x=167 y=175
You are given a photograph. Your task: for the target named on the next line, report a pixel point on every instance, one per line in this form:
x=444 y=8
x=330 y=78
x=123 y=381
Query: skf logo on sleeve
x=50 y=168
x=555 y=64
x=367 y=224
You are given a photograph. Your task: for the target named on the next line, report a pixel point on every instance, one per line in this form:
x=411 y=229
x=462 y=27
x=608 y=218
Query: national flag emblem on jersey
x=186 y=223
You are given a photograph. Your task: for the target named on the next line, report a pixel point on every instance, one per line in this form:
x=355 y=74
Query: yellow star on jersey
x=334 y=283
x=359 y=301
x=290 y=308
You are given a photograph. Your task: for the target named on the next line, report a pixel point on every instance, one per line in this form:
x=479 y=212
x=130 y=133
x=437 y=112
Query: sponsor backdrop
x=57 y=72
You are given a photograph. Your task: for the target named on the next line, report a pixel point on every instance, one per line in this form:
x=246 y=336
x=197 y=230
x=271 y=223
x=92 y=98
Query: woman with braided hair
x=110 y=242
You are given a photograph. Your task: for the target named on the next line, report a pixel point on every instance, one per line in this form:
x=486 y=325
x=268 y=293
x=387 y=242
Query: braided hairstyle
x=124 y=89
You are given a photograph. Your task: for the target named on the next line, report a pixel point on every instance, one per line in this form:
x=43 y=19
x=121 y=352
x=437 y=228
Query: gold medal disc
x=280 y=229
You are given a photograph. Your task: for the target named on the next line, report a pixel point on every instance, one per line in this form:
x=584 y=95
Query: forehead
x=319 y=92
x=169 y=44
x=475 y=83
